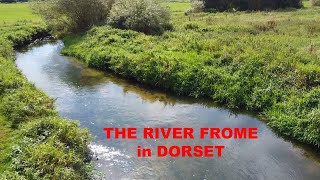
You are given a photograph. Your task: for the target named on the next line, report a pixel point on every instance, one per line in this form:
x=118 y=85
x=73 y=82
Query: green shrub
x=197 y=6
x=147 y=16
x=26 y=103
x=72 y=15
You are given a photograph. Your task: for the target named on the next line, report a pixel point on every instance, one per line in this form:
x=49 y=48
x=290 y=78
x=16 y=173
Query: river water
x=101 y=100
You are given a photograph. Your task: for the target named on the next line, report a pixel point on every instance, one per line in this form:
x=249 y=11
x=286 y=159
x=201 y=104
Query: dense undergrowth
x=35 y=142
x=268 y=62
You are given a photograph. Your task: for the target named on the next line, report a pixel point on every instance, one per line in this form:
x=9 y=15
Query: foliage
x=196 y=6
x=65 y=16
x=47 y=148
x=315 y=2
x=22 y=33
x=222 y=5
x=258 y=64
x=24 y=104
x=52 y=149
x=147 y=16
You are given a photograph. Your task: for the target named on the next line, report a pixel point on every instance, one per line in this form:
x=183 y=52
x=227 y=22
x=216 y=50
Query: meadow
x=34 y=141
x=264 y=62
x=17 y=12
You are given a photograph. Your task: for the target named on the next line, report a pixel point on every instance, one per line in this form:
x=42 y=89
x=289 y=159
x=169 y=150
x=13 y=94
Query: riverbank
x=101 y=100
x=265 y=62
x=35 y=142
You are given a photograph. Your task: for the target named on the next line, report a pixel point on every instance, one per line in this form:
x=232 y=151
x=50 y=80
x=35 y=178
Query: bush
x=222 y=5
x=72 y=15
x=147 y=16
x=196 y=6
x=315 y=2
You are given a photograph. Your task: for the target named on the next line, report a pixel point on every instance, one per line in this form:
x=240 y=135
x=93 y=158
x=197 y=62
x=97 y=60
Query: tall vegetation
x=65 y=16
x=196 y=6
x=148 y=16
x=251 y=4
x=315 y=2
x=261 y=61
x=43 y=145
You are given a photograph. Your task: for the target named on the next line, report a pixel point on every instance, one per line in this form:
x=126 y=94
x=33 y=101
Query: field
x=178 y=6
x=13 y=13
x=265 y=62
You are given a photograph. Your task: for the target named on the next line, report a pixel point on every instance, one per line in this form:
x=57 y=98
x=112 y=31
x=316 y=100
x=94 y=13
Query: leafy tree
x=147 y=16
x=65 y=16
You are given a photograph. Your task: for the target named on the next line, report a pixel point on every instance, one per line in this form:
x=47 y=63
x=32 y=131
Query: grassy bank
x=266 y=62
x=35 y=143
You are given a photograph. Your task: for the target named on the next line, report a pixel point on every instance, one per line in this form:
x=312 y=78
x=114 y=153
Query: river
x=101 y=100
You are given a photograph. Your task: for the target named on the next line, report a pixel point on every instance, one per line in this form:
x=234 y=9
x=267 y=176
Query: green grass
x=17 y=12
x=34 y=142
x=307 y=3
x=266 y=62
x=6 y=139
x=178 y=6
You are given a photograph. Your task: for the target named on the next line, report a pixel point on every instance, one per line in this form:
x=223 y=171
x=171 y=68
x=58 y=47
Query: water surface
x=100 y=100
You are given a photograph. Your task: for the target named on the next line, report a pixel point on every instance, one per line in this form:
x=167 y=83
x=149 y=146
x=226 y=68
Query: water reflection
x=100 y=100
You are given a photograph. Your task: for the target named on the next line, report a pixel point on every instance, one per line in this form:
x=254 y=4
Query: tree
x=65 y=16
x=7 y=1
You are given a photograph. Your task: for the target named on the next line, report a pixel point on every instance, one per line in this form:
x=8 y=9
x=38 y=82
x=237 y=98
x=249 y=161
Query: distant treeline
x=222 y=5
x=12 y=1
